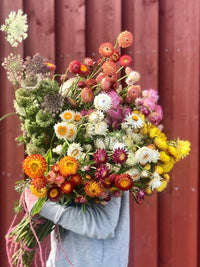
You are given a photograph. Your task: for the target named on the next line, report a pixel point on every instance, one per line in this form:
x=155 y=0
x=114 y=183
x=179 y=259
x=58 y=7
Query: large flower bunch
x=89 y=134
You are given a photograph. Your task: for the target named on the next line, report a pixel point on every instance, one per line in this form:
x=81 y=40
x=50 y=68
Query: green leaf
x=38 y=206
x=48 y=159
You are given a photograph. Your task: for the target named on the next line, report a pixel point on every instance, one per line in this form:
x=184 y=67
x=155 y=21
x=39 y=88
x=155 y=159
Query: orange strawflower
x=106 y=49
x=125 y=39
x=124 y=182
x=109 y=67
x=34 y=165
x=38 y=192
x=68 y=166
x=93 y=189
x=39 y=182
x=76 y=179
x=67 y=187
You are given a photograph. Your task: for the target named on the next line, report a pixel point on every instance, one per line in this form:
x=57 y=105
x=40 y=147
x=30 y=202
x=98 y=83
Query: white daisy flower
x=134 y=120
x=99 y=143
x=67 y=115
x=16 y=28
x=101 y=128
x=131 y=158
x=134 y=173
x=77 y=117
x=72 y=131
x=74 y=150
x=61 y=129
x=156 y=181
x=144 y=155
x=103 y=102
x=96 y=116
x=58 y=149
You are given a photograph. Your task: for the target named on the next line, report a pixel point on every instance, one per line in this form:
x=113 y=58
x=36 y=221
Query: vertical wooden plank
x=103 y=22
x=141 y=18
x=179 y=89
x=70 y=32
x=41 y=32
x=10 y=155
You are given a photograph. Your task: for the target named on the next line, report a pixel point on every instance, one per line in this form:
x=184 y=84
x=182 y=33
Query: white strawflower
x=96 y=116
x=87 y=147
x=103 y=102
x=134 y=173
x=156 y=156
x=72 y=131
x=131 y=158
x=65 y=88
x=132 y=78
x=144 y=174
x=75 y=150
x=15 y=28
x=134 y=120
x=99 y=143
x=67 y=115
x=156 y=181
x=61 y=129
x=90 y=129
x=144 y=155
x=119 y=145
x=58 y=149
x=101 y=128
x=110 y=141
x=136 y=138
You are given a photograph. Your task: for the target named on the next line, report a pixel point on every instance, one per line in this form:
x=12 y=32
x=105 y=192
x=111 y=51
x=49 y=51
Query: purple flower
x=140 y=194
x=100 y=156
x=115 y=99
x=102 y=172
x=120 y=155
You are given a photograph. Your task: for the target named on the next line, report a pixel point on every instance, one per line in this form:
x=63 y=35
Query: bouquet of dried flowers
x=89 y=134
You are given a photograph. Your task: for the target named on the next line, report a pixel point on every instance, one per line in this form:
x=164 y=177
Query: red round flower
x=106 y=49
x=125 y=60
x=67 y=187
x=115 y=56
x=74 y=66
x=54 y=193
x=76 y=179
x=84 y=70
x=124 y=182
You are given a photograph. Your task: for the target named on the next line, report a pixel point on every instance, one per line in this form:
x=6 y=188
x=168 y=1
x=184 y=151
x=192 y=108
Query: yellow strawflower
x=183 y=148
x=168 y=165
x=160 y=143
x=162 y=186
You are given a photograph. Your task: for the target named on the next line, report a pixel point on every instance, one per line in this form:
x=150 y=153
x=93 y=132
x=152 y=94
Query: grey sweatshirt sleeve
x=98 y=221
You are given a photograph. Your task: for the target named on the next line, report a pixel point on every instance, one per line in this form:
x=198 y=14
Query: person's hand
x=30 y=199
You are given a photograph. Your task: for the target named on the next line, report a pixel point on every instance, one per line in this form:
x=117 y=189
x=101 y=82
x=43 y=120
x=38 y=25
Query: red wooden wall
x=164 y=232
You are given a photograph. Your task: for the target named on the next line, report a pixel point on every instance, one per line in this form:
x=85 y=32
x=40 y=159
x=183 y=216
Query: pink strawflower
x=150 y=104
x=51 y=176
x=139 y=101
x=80 y=199
x=151 y=93
x=59 y=180
x=116 y=113
x=125 y=60
x=120 y=155
x=100 y=156
x=115 y=56
x=87 y=95
x=74 y=66
x=89 y=62
x=106 y=50
x=105 y=84
x=115 y=99
x=102 y=172
x=128 y=70
x=156 y=116
x=125 y=39
x=112 y=77
x=100 y=77
x=134 y=91
x=126 y=110
x=109 y=67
